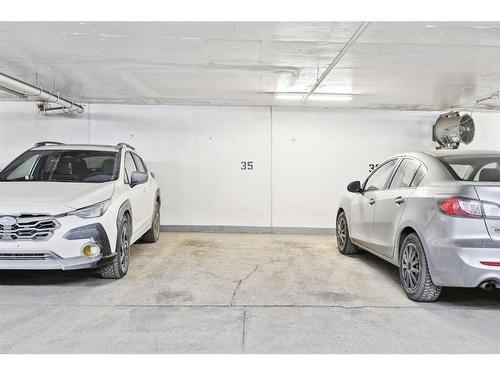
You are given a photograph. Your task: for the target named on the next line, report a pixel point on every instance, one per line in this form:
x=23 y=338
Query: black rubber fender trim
x=126 y=206
x=96 y=232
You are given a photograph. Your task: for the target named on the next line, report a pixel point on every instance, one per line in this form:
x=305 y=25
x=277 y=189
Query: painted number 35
x=247 y=165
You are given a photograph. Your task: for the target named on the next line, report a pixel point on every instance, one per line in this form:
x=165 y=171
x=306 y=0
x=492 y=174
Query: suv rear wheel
x=153 y=234
x=414 y=272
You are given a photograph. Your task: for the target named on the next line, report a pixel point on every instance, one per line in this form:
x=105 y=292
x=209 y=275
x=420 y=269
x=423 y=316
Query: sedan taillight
x=491 y=264
x=458 y=206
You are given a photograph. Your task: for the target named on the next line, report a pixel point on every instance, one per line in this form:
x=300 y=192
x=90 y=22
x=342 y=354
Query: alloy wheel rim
x=124 y=248
x=410 y=266
x=342 y=232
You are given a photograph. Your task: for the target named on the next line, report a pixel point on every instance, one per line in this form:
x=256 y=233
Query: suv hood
x=52 y=198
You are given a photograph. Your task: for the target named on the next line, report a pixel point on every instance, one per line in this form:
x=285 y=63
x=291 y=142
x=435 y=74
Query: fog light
x=91 y=250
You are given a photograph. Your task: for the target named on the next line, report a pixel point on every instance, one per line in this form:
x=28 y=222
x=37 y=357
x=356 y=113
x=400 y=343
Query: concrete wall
x=303 y=159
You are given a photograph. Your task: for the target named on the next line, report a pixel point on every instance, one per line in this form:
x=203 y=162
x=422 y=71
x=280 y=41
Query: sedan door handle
x=399 y=200
x=371 y=201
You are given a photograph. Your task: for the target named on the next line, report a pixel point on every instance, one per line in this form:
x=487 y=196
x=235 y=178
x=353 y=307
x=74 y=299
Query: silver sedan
x=436 y=215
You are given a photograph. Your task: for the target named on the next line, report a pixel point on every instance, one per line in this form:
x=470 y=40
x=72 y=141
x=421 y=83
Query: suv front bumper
x=51 y=261
x=63 y=251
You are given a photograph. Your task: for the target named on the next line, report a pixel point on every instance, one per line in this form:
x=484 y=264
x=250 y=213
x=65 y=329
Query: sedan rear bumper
x=458 y=262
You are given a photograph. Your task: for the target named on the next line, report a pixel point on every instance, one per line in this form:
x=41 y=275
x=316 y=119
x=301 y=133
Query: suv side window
x=141 y=167
x=379 y=178
x=405 y=174
x=129 y=167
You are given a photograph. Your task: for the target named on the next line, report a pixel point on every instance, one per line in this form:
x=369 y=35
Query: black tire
x=414 y=272
x=344 y=244
x=153 y=234
x=119 y=267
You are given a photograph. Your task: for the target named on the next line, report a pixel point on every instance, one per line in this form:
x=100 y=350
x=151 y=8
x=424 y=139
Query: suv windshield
x=473 y=168
x=63 y=166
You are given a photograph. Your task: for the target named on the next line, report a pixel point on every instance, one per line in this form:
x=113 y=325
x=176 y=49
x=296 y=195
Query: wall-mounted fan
x=451 y=129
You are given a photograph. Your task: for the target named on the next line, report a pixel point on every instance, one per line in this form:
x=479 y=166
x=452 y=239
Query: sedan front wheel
x=344 y=243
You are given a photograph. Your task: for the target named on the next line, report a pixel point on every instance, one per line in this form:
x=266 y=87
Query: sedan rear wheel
x=414 y=272
x=410 y=267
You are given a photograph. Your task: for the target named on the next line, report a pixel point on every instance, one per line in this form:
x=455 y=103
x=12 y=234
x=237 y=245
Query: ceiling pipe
x=337 y=58
x=13 y=92
x=26 y=90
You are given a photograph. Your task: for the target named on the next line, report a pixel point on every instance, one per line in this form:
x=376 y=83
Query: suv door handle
x=371 y=201
x=399 y=200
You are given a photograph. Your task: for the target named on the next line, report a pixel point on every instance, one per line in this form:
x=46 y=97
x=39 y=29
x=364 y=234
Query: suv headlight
x=96 y=210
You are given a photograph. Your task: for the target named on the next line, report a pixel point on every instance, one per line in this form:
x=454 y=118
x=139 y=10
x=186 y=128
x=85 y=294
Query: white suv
x=76 y=206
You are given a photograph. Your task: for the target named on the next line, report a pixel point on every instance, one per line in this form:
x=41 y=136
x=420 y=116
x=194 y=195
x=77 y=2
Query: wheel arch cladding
x=158 y=197
x=125 y=208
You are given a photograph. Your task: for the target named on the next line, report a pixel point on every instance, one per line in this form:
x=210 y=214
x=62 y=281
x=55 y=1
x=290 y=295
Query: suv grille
x=31 y=256
x=29 y=227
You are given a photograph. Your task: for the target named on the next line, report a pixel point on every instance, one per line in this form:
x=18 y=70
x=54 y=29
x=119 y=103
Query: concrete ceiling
x=392 y=65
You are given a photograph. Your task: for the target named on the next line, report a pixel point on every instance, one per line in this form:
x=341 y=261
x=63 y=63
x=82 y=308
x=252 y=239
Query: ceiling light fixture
x=315 y=97
x=331 y=97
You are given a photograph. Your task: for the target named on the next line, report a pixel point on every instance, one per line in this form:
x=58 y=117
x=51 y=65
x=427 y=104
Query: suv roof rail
x=123 y=144
x=45 y=143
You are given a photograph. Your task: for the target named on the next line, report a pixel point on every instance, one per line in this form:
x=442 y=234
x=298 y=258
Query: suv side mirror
x=354 y=187
x=138 y=178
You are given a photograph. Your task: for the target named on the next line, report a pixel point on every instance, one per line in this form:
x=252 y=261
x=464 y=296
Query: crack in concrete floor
x=240 y=281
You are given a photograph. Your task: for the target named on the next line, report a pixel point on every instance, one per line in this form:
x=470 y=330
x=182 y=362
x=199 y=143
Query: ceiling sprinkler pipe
x=359 y=31
x=31 y=91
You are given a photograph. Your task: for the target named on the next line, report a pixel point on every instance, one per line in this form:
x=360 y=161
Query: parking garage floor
x=240 y=293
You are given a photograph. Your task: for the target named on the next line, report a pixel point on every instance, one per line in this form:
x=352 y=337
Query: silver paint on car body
x=454 y=245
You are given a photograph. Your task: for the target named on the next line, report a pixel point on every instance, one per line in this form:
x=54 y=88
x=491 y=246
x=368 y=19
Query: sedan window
x=489 y=166
x=405 y=173
x=482 y=168
x=418 y=176
x=379 y=178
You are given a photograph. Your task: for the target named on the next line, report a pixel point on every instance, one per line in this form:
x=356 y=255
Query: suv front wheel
x=119 y=267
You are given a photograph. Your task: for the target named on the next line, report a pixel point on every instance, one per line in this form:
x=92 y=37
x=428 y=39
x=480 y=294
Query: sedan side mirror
x=138 y=178
x=354 y=187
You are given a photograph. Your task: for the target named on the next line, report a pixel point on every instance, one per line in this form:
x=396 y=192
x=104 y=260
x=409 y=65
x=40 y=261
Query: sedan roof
x=444 y=153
